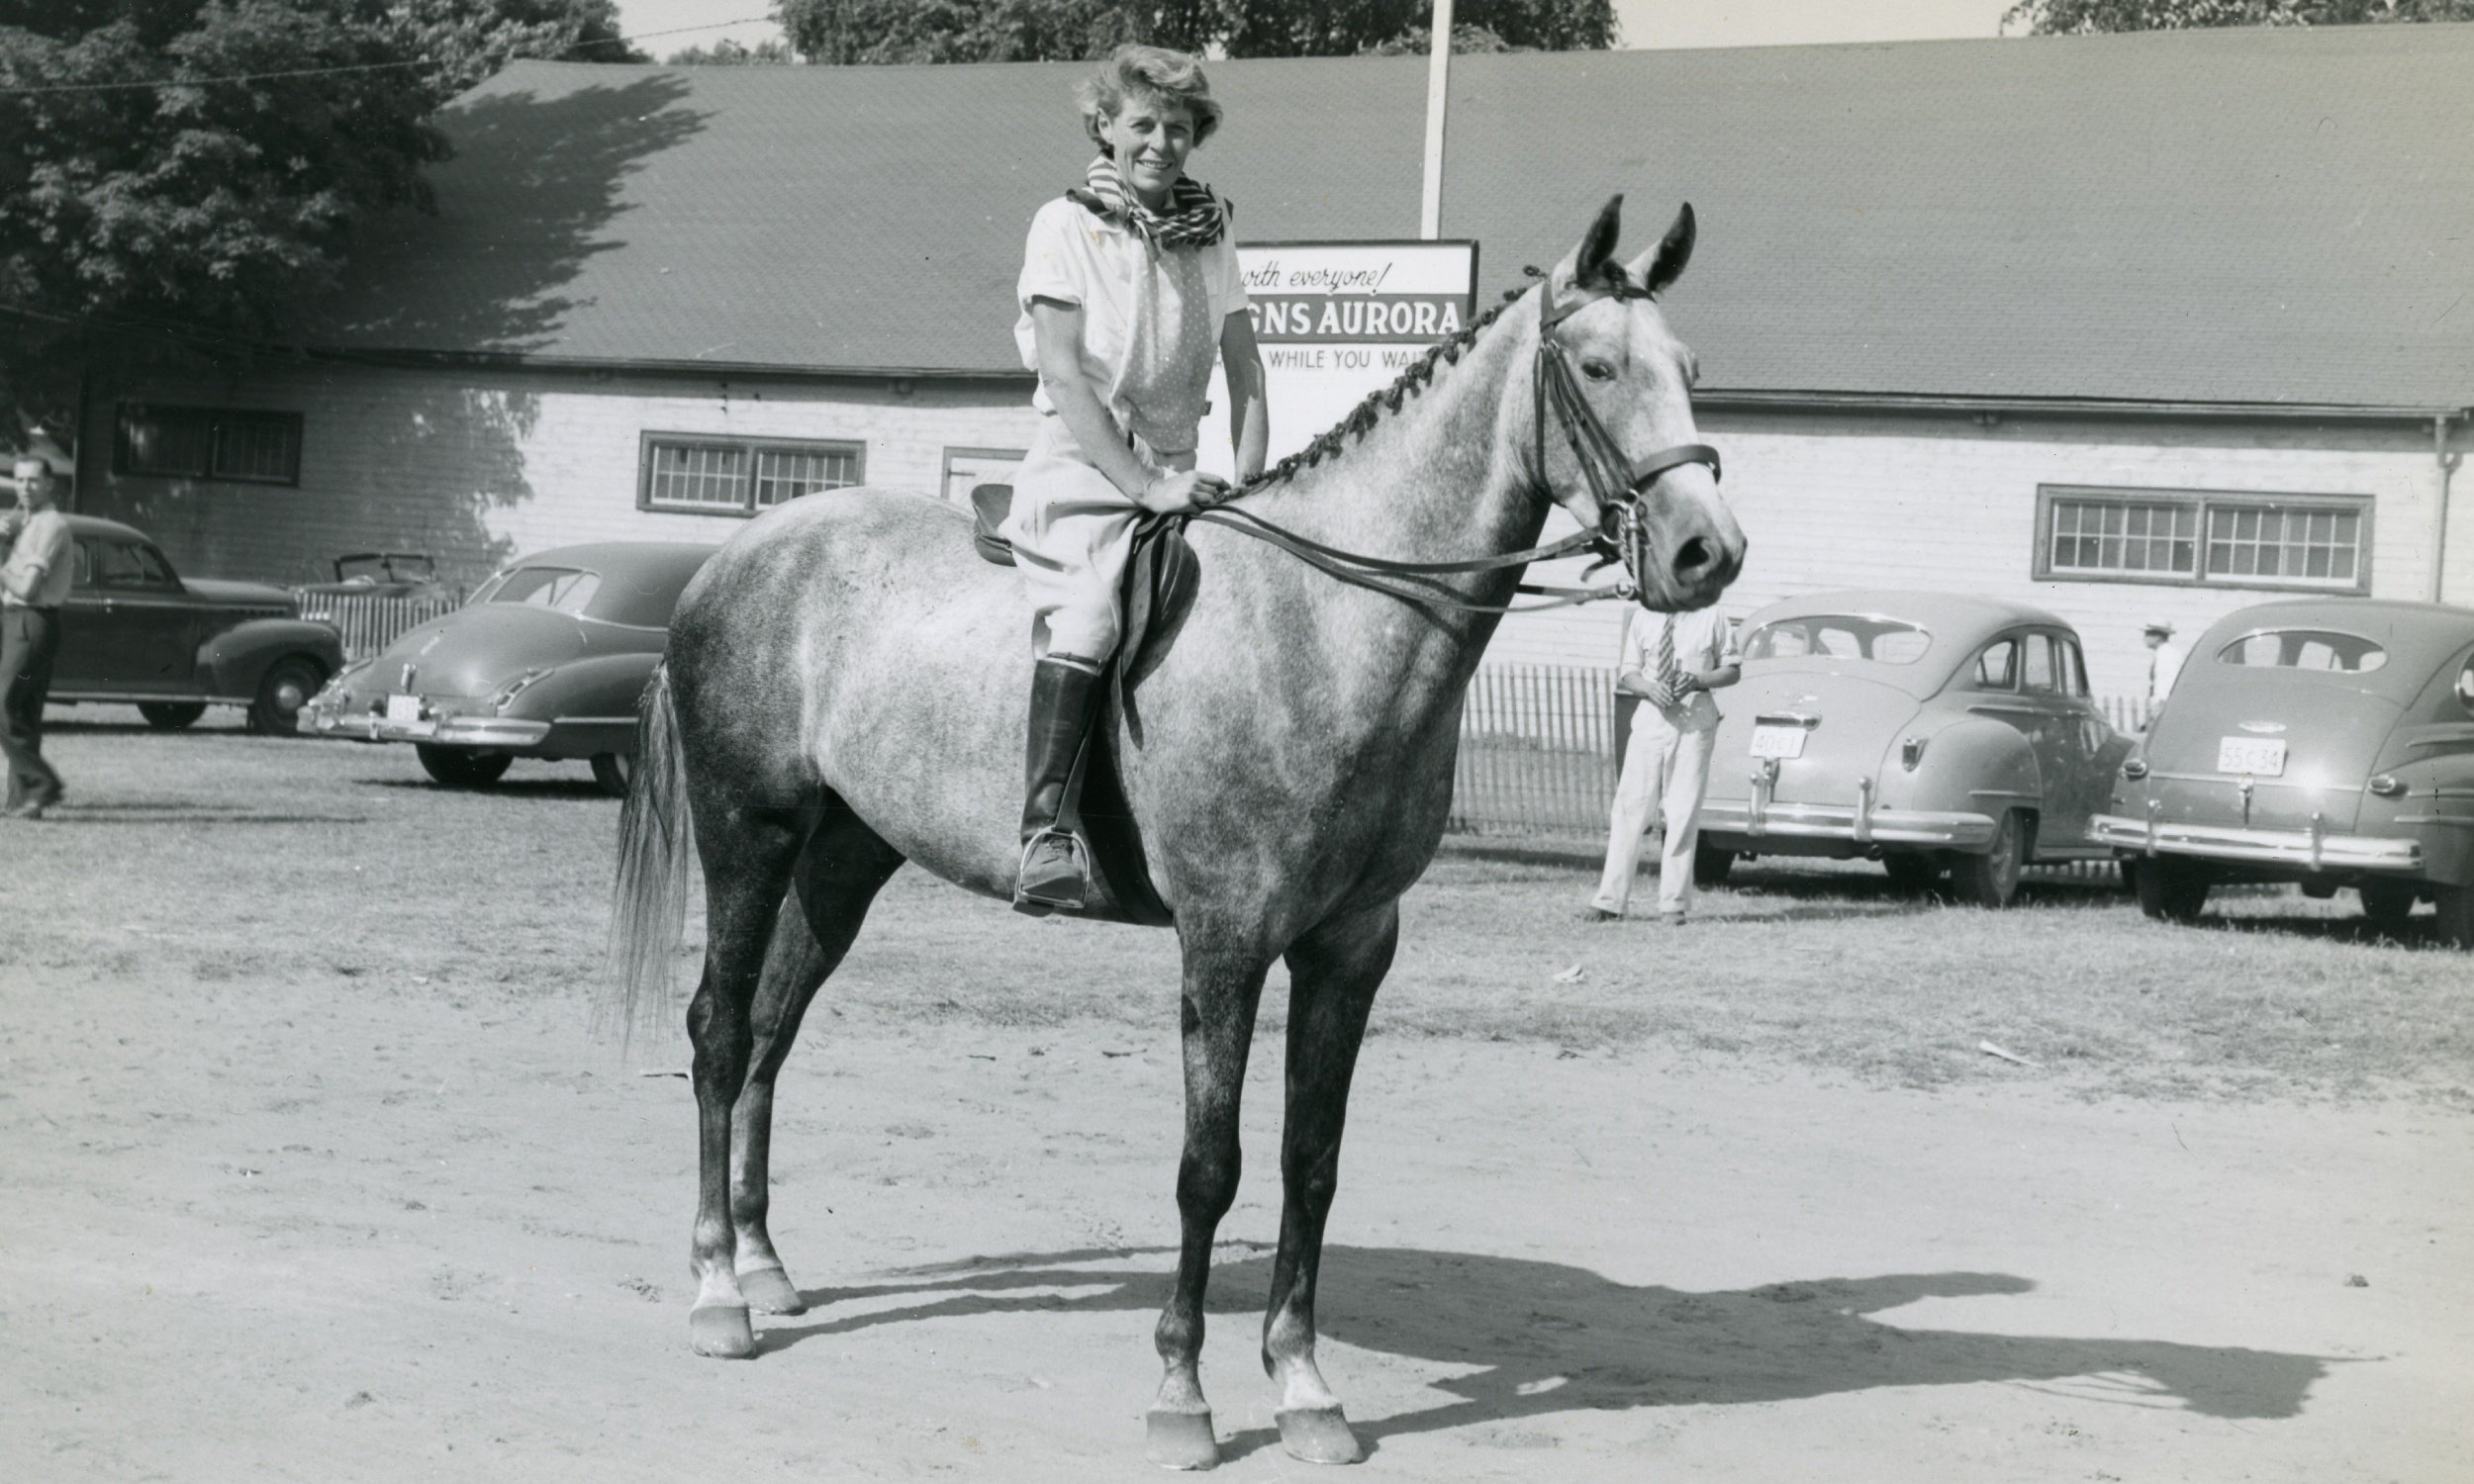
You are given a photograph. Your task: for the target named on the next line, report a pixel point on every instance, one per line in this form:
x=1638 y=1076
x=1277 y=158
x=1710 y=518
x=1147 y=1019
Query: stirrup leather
x=1055 y=890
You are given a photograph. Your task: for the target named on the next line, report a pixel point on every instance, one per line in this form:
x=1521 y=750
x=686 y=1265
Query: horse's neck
x=1442 y=479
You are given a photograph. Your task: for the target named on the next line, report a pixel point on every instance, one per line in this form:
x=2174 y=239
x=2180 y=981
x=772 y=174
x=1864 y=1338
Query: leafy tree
x=846 y=32
x=138 y=197
x=469 y=39
x=1417 y=40
x=2072 y=17
x=730 y=54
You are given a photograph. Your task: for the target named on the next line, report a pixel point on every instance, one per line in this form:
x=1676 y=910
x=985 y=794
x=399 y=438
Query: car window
x=2039 y=673
x=1997 y=668
x=2305 y=649
x=2074 y=669
x=117 y=565
x=565 y=589
x=82 y=565
x=1885 y=641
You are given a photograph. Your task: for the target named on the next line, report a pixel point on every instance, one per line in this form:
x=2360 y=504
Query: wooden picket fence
x=1538 y=754
x=369 y=623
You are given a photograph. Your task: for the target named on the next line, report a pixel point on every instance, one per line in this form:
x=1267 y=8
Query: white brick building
x=1959 y=304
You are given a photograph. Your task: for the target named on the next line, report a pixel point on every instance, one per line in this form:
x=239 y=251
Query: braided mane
x=1362 y=418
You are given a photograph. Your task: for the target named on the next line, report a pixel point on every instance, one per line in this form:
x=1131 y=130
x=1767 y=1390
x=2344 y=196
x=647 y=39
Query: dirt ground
x=313 y=1174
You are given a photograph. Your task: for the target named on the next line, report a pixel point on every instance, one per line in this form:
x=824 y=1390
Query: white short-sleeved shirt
x=1151 y=317
x=1704 y=641
x=38 y=562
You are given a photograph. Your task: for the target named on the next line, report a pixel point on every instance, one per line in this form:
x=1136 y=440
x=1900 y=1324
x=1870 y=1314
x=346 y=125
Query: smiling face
x=1150 y=138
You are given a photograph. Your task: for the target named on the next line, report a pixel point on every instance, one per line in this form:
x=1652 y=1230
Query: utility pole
x=1438 y=84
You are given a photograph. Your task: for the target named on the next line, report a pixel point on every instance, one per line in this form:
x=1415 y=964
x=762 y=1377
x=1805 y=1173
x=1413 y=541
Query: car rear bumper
x=1859 y=825
x=2306 y=850
x=566 y=737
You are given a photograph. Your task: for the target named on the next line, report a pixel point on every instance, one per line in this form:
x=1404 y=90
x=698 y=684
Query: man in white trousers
x=1673 y=662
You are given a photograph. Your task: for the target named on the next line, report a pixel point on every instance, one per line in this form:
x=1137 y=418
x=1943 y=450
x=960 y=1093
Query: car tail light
x=1910 y=753
x=2389 y=785
x=515 y=688
x=2135 y=770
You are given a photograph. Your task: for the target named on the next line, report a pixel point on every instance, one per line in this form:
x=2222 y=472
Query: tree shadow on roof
x=1547 y=1338
x=532 y=193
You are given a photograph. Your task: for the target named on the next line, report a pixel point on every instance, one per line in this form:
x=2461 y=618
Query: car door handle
x=1999 y=709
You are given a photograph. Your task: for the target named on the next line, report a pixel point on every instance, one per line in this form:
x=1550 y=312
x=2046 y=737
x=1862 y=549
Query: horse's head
x=1630 y=376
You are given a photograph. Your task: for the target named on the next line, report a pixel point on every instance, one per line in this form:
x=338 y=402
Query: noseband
x=1619 y=485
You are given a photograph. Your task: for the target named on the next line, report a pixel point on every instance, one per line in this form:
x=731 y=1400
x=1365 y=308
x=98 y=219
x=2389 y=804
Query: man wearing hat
x=34 y=583
x=2164 y=662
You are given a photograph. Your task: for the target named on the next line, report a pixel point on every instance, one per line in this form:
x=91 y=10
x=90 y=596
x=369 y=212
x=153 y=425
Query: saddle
x=1157 y=587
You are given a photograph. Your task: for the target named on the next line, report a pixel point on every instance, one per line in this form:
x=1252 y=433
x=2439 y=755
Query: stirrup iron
x=1055 y=892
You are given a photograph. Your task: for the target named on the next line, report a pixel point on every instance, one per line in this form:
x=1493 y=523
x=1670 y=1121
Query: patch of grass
x=228 y=860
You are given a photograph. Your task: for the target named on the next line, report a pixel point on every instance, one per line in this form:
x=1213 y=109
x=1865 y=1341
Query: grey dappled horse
x=845 y=690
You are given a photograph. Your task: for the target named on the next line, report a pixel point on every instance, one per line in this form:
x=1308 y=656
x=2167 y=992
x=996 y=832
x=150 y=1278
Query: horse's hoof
x=1181 y=1440
x=1318 y=1435
x=721 y=1331
x=768 y=1290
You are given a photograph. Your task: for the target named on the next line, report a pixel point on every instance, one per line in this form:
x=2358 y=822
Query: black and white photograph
x=1483 y=740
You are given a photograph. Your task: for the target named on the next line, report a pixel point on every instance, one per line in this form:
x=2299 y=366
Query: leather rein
x=1619 y=485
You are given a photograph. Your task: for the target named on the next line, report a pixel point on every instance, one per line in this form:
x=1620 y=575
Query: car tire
x=1911 y=874
x=463 y=767
x=171 y=715
x=2456 y=915
x=289 y=683
x=1991 y=880
x=2171 y=891
x=2389 y=903
x=614 y=771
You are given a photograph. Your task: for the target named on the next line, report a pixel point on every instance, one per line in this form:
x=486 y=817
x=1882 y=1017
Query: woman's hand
x=1176 y=492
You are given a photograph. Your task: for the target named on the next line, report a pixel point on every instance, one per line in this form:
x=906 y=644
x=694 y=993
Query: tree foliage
x=190 y=173
x=469 y=39
x=730 y=54
x=2074 y=17
x=849 y=32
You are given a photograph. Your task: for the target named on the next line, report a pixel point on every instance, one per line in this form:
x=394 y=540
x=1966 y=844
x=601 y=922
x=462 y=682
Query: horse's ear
x=1590 y=263
x=1664 y=263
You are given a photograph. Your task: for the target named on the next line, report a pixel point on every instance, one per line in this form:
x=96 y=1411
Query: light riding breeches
x=1073 y=531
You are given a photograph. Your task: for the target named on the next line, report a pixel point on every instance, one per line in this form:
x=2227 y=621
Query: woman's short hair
x=1131 y=69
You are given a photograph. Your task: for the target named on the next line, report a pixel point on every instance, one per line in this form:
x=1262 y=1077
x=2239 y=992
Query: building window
x=739 y=476
x=966 y=469
x=200 y=442
x=2204 y=537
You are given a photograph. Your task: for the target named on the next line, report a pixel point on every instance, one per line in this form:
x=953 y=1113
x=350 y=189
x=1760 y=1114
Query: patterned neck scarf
x=1195 y=218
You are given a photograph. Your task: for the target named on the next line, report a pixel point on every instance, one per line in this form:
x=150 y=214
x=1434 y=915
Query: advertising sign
x=1337 y=320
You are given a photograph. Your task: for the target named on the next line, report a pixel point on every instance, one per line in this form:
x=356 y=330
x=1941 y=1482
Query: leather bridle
x=1620 y=487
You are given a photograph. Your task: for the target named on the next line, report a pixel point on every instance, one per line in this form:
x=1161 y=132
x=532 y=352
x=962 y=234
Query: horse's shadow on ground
x=1545 y=1338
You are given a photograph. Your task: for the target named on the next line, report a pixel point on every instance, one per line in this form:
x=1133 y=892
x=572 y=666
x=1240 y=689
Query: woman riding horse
x=1128 y=284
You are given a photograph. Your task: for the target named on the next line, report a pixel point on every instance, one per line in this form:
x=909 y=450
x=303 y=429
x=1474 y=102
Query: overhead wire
x=200 y=82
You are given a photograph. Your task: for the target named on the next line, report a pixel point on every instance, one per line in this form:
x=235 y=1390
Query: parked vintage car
x=133 y=629
x=546 y=661
x=2326 y=741
x=380 y=574
x=1929 y=731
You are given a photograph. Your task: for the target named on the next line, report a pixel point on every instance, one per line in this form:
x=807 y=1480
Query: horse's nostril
x=1693 y=557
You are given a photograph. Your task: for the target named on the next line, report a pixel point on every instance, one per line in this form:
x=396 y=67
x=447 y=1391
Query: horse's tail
x=648 y=906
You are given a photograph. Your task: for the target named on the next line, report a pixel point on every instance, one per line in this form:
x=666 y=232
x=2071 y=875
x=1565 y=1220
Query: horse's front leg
x=1333 y=975
x=1215 y=1016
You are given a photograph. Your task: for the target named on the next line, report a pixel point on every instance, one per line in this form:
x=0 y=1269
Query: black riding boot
x=1053 y=865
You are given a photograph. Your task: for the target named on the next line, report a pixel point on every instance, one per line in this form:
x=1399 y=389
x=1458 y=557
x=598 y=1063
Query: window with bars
x=2204 y=537
x=739 y=476
x=202 y=442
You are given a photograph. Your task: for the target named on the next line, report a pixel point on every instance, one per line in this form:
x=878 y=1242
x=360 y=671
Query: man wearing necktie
x=1673 y=662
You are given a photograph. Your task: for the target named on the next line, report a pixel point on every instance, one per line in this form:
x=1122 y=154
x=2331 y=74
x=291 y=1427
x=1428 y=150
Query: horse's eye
x=1597 y=370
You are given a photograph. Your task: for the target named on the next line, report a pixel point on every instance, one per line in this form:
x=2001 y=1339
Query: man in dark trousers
x=34 y=583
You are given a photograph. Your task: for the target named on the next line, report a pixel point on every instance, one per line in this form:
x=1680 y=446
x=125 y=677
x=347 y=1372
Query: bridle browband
x=1618 y=485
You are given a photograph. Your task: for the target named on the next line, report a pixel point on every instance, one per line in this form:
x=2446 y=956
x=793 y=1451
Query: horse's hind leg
x=839 y=873
x=1333 y=975
x=1222 y=989
x=748 y=856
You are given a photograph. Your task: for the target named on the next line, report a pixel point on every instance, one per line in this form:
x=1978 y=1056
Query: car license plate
x=404 y=712
x=1777 y=741
x=2260 y=757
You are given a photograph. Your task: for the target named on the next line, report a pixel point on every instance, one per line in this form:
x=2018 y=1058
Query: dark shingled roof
x=2267 y=215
